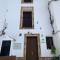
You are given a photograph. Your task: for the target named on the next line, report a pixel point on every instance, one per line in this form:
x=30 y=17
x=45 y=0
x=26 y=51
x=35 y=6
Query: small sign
x=17 y=46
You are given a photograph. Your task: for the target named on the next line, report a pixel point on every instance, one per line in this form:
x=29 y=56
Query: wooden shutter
x=27 y=19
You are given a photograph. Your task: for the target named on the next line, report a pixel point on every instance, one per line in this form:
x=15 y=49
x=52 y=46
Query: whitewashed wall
x=55 y=10
x=57 y=43
x=12 y=10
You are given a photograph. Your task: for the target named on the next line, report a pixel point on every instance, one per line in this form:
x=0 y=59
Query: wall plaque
x=17 y=46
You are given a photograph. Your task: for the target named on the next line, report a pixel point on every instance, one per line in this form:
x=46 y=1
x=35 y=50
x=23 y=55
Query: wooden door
x=32 y=48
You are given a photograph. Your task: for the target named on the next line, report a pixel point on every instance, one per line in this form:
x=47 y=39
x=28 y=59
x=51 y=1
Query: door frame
x=25 y=43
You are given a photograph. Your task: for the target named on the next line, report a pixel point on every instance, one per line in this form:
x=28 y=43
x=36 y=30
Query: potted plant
x=53 y=52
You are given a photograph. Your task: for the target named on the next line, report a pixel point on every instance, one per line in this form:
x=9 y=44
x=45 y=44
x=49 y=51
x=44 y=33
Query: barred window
x=49 y=42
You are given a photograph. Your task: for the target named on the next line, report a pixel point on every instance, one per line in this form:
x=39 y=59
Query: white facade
x=55 y=12
x=11 y=11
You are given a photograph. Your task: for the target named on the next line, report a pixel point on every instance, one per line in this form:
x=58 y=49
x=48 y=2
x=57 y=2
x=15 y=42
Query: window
x=5 y=48
x=49 y=42
x=27 y=1
x=27 y=17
